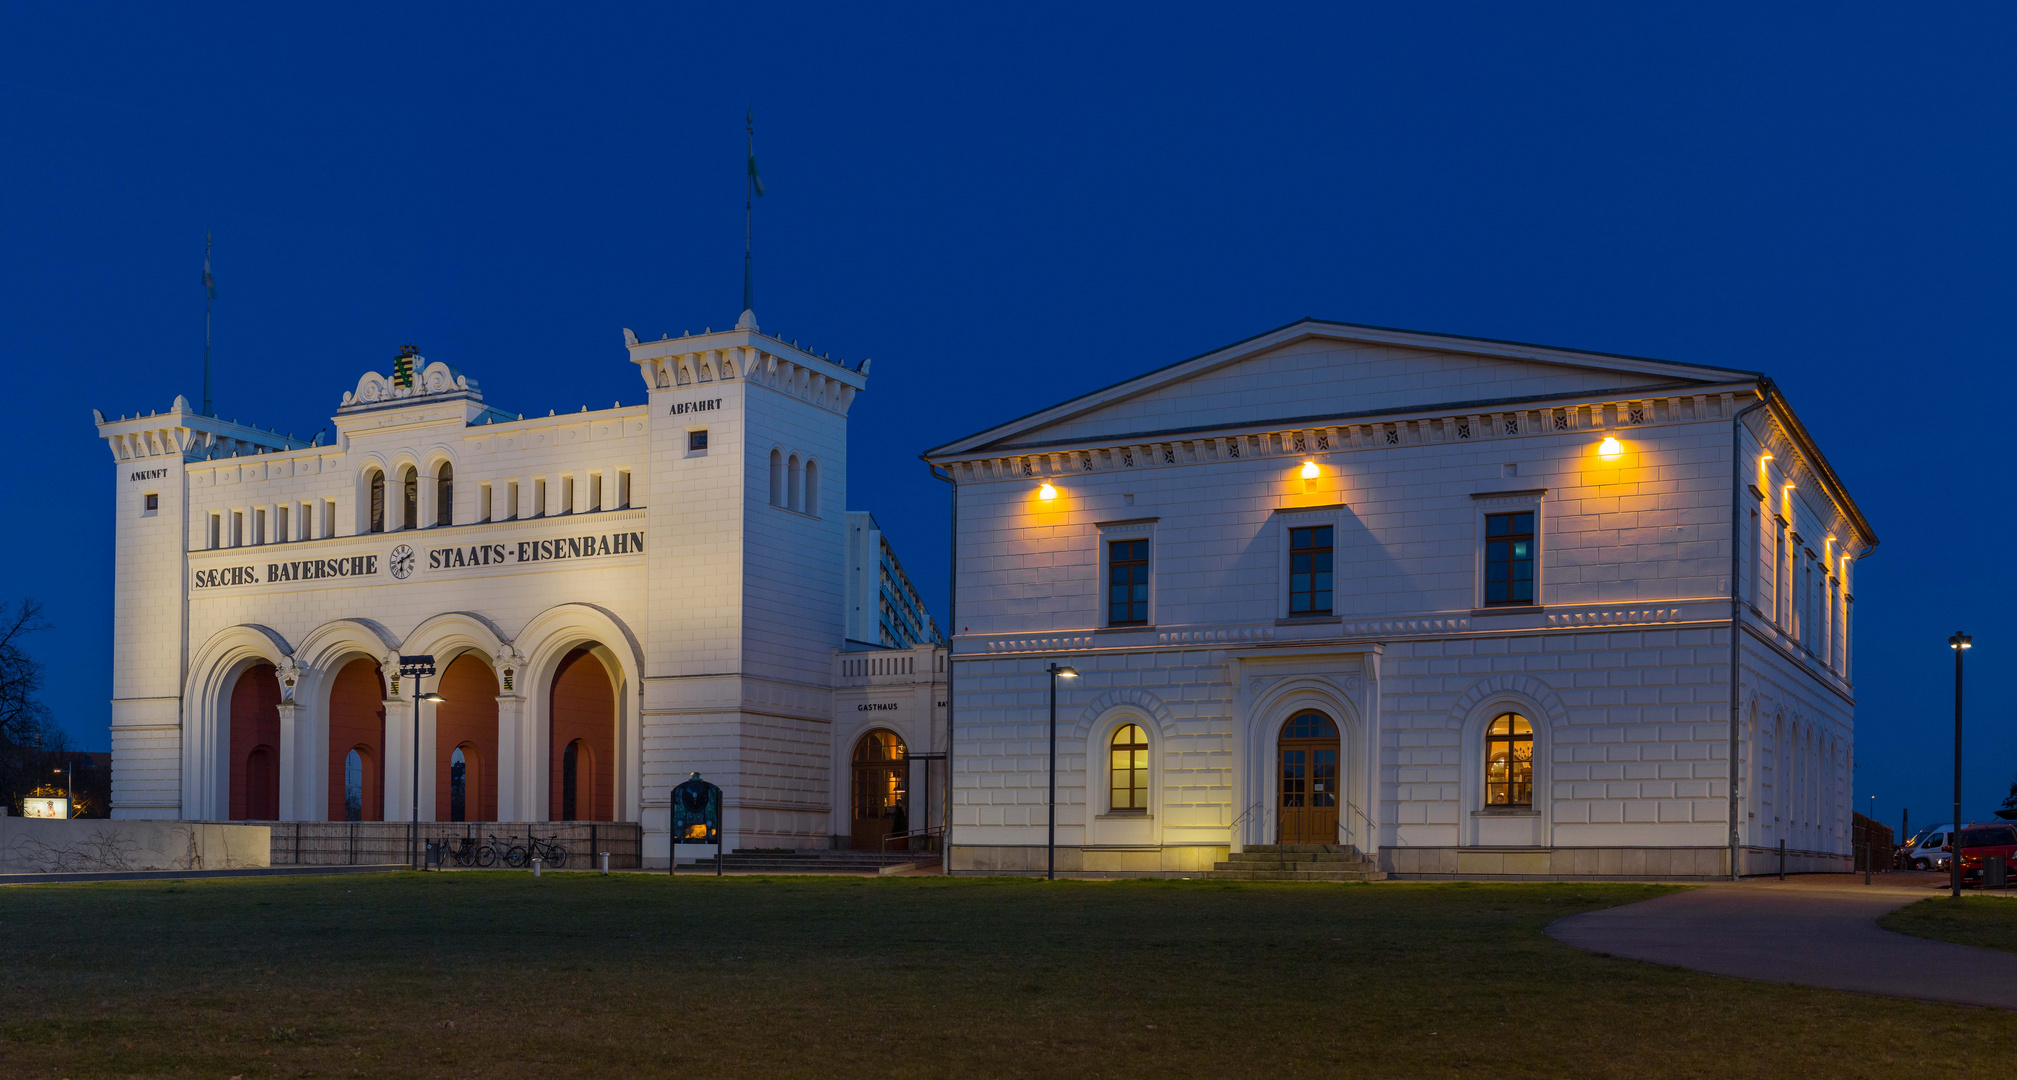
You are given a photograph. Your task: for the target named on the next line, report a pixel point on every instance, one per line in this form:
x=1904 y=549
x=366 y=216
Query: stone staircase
x=1297 y=862
x=788 y=861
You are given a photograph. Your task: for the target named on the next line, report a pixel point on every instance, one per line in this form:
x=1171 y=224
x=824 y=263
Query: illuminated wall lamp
x=1309 y=470
x=1047 y=493
x=1610 y=449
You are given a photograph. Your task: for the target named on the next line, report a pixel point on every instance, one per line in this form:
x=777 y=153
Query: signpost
x=416 y=666
x=696 y=819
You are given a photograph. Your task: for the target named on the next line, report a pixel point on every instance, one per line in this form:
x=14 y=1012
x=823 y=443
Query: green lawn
x=480 y=974
x=1988 y=922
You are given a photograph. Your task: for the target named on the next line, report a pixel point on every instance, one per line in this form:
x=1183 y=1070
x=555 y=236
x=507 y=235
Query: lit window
x=1310 y=571
x=1129 y=752
x=1509 y=761
x=1509 y=558
x=1128 y=583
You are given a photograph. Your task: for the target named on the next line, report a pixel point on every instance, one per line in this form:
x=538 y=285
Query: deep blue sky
x=1007 y=208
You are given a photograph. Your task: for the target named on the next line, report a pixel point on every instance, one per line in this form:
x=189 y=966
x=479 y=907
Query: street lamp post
x=417 y=666
x=1960 y=643
x=1869 y=832
x=1051 y=864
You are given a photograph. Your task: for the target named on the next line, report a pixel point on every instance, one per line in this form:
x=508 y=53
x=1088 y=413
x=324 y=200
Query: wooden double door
x=1306 y=781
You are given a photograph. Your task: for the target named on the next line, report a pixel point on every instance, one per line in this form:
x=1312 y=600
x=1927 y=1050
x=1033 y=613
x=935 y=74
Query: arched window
x=444 y=497
x=353 y=787
x=458 y=786
x=377 y=501
x=1129 y=755
x=880 y=765
x=811 y=488
x=409 y=500
x=570 y=779
x=795 y=495
x=1509 y=761
x=777 y=478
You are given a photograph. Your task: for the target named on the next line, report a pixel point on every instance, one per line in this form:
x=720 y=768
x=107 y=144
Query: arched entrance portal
x=357 y=743
x=466 y=723
x=255 y=745
x=1307 y=783
x=581 y=754
x=879 y=789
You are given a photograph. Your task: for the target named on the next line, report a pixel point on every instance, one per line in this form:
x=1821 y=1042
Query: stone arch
x=777 y=476
x=547 y=641
x=1256 y=820
x=1486 y=699
x=324 y=655
x=214 y=670
x=1127 y=698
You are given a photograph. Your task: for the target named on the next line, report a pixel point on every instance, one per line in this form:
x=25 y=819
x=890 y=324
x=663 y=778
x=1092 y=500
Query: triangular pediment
x=1311 y=371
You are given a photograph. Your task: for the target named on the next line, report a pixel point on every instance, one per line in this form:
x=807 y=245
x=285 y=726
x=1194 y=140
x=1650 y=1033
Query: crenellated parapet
x=184 y=433
x=745 y=353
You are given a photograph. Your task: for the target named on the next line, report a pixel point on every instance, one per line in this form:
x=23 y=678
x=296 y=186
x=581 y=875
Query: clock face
x=401 y=562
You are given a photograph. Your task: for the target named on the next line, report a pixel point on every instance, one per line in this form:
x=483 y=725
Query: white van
x=1931 y=850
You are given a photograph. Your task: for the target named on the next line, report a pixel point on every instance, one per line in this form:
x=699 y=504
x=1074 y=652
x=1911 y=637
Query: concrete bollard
x=605 y=864
x=536 y=861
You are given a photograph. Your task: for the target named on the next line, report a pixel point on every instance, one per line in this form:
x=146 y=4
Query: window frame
x=1139 y=770
x=1511 y=538
x=1327 y=551
x=1145 y=564
x=1512 y=739
x=1489 y=505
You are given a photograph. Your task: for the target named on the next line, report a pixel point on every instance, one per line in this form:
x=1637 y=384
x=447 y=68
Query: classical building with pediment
x=613 y=599
x=1345 y=601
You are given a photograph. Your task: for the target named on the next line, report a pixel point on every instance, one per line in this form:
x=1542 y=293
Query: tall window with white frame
x=409 y=498
x=1128 y=583
x=1509 y=761
x=1310 y=571
x=1128 y=788
x=444 y=498
x=1509 y=559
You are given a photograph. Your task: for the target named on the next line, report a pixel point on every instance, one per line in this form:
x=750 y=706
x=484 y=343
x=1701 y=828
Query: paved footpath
x=1821 y=931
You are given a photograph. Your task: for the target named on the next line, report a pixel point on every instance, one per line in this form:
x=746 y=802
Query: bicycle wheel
x=556 y=856
x=514 y=857
x=486 y=856
x=464 y=855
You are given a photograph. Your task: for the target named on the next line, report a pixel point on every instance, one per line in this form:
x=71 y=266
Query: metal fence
x=360 y=843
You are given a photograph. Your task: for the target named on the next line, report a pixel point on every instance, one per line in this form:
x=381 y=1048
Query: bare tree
x=28 y=734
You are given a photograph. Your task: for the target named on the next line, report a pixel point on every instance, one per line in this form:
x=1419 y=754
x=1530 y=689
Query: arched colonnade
x=542 y=725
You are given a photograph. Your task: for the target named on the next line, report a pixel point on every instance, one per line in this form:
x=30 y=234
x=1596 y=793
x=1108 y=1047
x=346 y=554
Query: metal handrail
x=938 y=831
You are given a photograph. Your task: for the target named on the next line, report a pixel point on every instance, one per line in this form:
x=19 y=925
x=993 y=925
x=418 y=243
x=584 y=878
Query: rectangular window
x=623 y=489
x=1509 y=558
x=538 y=498
x=696 y=440
x=510 y=499
x=595 y=490
x=1310 y=571
x=483 y=502
x=567 y=494
x=328 y=518
x=259 y=526
x=214 y=532
x=280 y=524
x=237 y=528
x=151 y=502
x=1779 y=578
x=1128 y=583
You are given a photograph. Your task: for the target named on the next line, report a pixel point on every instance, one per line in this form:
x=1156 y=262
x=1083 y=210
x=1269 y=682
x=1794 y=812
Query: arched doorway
x=581 y=752
x=255 y=745
x=879 y=789
x=1307 y=780
x=357 y=743
x=466 y=723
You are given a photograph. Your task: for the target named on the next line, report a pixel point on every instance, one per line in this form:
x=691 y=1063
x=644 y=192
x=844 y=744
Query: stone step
x=1295 y=875
x=1271 y=858
x=1335 y=849
x=1289 y=864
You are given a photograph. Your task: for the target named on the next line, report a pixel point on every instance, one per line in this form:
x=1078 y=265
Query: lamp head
x=1309 y=470
x=1960 y=641
x=1610 y=449
x=1064 y=672
x=1047 y=492
x=431 y=696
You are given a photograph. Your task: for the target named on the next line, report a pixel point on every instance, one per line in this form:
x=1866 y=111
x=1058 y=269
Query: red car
x=1978 y=842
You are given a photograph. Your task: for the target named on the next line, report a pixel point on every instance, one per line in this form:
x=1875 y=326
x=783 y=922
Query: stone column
x=512 y=739
x=290 y=764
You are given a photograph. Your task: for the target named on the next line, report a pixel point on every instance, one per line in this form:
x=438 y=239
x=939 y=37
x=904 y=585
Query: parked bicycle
x=552 y=855
x=464 y=851
x=504 y=851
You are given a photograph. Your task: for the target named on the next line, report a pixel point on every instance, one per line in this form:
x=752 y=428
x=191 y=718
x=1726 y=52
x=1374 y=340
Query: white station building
x=614 y=599
x=1471 y=607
